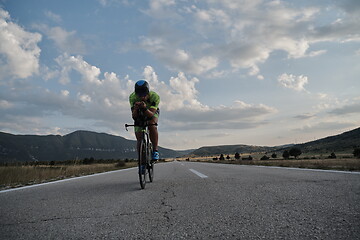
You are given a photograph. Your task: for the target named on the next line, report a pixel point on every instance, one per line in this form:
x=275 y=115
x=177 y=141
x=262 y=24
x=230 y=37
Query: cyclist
x=147 y=102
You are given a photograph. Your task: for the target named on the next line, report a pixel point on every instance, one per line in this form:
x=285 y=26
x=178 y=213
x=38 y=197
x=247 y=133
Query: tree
x=237 y=156
x=274 y=155
x=356 y=152
x=286 y=154
x=295 y=152
x=264 y=157
x=332 y=155
x=222 y=157
x=228 y=157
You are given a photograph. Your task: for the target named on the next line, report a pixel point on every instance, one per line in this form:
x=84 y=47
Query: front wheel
x=142 y=165
x=150 y=163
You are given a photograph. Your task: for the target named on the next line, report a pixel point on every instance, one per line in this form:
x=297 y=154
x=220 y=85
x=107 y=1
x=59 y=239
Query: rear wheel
x=151 y=171
x=142 y=164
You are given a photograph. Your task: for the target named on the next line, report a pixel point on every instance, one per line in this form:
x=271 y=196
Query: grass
x=343 y=164
x=16 y=176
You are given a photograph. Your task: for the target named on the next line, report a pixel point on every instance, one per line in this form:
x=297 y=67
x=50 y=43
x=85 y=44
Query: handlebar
x=134 y=125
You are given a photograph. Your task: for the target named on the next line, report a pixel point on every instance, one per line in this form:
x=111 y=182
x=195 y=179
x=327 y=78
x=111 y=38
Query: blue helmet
x=141 y=88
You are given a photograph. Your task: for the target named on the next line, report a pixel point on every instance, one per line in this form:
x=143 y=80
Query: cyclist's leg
x=153 y=132
x=154 y=138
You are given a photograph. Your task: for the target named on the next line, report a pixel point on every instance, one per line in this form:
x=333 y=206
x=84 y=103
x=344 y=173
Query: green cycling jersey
x=152 y=102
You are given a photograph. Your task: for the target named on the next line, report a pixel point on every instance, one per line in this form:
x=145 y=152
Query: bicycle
x=145 y=151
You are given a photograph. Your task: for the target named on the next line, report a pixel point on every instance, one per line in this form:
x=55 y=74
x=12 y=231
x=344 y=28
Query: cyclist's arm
x=154 y=104
x=142 y=107
x=150 y=112
x=135 y=111
x=134 y=106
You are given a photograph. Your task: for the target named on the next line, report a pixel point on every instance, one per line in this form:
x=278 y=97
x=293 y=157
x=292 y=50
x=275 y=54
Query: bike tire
x=151 y=164
x=142 y=161
x=151 y=172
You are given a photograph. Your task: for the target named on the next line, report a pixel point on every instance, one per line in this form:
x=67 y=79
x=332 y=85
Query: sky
x=255 y=72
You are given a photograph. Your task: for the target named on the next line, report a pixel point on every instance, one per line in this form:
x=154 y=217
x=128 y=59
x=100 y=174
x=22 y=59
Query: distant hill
x=229 y=149
x=85 y=144
x=79 y=144
x=345 y=142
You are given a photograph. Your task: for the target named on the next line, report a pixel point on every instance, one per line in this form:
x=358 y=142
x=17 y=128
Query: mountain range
x=86 y=144
x=76 y=145
x=342 y=143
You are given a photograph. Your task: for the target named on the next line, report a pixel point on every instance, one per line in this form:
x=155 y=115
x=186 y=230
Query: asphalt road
x=188 y=201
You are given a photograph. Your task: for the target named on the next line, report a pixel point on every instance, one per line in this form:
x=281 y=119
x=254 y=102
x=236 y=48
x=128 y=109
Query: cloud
x=178 y=59
x=102 y=98
x=55 y=17
x=110 y=3
x=19 y=52
x=350 y=6
x=65 y=41
x=84 y=98
x=183 y=111
x=238 y=116
x=326 y=126
x=305 y=116
x=179 y=94
x=244 y=33
x=5 y=104
x=89 y=73
x=161 y=9
x=357 y=52
x=65 y=93
x=293 y=82
x=347 y=109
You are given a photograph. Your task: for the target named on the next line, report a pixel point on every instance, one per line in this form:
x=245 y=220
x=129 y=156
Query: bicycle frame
x=144 y=153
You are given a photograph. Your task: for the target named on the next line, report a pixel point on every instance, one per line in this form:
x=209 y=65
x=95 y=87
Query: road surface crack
x=169 y=194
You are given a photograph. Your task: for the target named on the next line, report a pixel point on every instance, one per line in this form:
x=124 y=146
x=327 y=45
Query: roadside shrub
x=248 y=158
x=286 y=154
x=89 y=160
x=295 y=152
x=120 y=164
x=356 y=152
x=264 y=158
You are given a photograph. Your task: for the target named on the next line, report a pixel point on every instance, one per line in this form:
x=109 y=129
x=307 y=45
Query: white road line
x=62 y=180
x=198 y=173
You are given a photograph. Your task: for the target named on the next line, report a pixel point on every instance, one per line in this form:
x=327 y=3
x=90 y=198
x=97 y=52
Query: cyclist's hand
x=142 y=105
x=137 y=105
